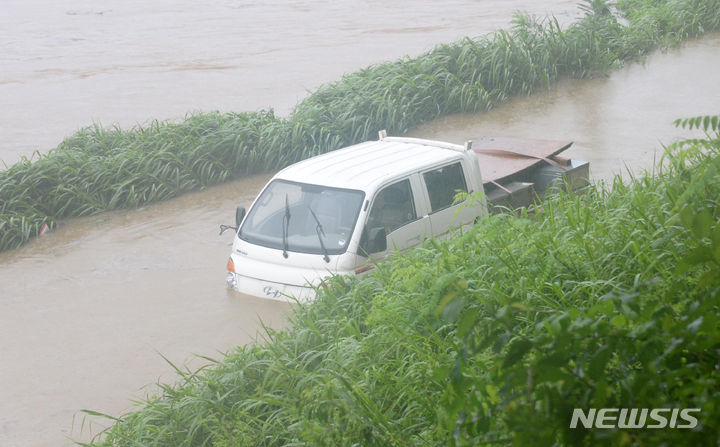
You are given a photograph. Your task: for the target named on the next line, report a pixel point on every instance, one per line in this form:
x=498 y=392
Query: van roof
x=366 y=165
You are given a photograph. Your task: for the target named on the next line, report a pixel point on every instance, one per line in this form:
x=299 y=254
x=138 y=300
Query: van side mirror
x=374 y=240
x=239 y=215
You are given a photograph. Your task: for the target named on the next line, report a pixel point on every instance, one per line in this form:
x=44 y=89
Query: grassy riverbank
x=610 y=299
x=99 y=169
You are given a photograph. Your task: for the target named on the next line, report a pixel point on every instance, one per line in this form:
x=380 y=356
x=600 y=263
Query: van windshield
x=286 y=208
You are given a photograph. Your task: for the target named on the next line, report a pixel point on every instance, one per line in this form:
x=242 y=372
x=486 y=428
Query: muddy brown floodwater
x=86 y=311
x=66 y=64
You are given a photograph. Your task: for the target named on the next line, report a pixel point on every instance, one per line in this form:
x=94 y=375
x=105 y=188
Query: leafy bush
x=626 y=315
x=610 y=299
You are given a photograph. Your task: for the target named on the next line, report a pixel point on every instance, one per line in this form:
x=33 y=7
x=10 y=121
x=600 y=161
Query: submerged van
x=340 y=212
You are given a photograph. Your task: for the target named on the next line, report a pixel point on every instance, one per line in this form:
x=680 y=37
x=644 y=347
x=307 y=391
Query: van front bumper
x=268 y=289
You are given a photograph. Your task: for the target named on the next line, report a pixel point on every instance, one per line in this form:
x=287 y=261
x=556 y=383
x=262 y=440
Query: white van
x=340 y=212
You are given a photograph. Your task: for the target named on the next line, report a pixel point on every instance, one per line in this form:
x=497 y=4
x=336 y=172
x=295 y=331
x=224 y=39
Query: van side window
x=442 y=185
x=393 y=207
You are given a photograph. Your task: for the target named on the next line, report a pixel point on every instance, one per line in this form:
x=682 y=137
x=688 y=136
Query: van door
x=400 y=210
x=441 y=185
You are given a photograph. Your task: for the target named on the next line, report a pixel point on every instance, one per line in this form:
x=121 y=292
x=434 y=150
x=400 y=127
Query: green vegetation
x=610 y=299
x=99 y=169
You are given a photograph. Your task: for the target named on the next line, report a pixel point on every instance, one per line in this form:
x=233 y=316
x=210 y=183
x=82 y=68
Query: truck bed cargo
x=519 y=171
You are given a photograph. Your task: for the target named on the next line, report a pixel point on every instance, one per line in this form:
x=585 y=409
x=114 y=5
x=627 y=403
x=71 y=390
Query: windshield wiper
x=286 y=227
x=320 y=233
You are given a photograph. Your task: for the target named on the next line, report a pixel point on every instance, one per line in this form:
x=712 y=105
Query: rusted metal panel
x=503 y=157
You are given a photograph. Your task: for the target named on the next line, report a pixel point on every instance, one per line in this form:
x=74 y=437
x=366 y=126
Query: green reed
x=609 y=299
x=99 y=169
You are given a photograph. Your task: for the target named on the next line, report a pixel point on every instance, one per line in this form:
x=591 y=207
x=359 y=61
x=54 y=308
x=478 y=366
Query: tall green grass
x=610 y=299
x=100 y=169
